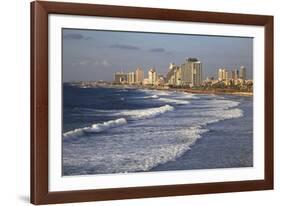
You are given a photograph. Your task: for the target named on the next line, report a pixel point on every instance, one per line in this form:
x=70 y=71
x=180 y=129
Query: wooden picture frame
x=40 y=193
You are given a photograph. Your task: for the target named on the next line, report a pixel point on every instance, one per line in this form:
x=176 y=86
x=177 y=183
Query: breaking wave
x=95 y=128
x=147 y=97
x=139 y=114
x=174 y=94
x=175 y=101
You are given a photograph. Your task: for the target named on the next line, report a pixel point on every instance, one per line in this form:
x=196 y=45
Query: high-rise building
x=139 y=75
x=228 y=77
x=235 y=74
x=222 y=74
x=120 y=77
x=131 y=78
x=173 y=75
x=160 y=80
x=242 y=73
x=191 y=72
x=178 y=76
x=152 y=76
x=196 y=73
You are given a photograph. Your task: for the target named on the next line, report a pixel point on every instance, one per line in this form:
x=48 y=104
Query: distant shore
x=194 y=91
x=203 y=91
x=217 y=91
x=239 y=93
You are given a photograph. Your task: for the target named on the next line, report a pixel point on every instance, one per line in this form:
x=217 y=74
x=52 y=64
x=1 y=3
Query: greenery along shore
x=194 y=90
x=208 y=91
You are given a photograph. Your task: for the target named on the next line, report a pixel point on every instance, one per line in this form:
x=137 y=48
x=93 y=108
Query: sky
x=96 y=55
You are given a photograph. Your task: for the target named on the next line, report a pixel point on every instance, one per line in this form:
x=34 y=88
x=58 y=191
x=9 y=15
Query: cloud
x=73 y=36
x=76 y=36
x=91 y=62
x=105 y=63
x=84 y=63
x=160 y=50
x=124 y=46
x=88 y=38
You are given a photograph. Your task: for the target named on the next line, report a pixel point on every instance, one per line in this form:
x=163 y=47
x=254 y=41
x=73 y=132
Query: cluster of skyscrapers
x=187 y=74
x=129 y=77
x=137 y=77
x=234 y=76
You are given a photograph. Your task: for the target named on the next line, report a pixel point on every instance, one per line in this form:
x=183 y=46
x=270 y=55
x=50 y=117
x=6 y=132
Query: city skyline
x=96 y=55
x=186 y=75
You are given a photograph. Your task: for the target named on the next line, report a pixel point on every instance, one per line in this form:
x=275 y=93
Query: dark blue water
x=78 y=101
x=115 y=130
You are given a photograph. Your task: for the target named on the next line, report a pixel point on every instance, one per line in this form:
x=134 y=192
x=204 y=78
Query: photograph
x=154 y=102
x=132 y=102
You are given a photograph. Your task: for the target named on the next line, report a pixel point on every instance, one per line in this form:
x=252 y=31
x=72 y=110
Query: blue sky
x=96 y=55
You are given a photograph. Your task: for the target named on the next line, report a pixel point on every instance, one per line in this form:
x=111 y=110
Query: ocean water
x=115 y=130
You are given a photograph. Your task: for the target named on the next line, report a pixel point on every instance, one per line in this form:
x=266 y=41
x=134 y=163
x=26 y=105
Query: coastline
x=238 y=93
x=193 y=91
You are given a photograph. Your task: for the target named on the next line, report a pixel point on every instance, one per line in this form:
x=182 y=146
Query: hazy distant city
x=188 y=75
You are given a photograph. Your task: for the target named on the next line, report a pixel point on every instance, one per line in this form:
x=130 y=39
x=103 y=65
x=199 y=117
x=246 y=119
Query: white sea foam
x=223 y=103
x=157 y=92
x=226 y=113
x=96 y=128
x=143 y=145
x=139 y=114
x=212 y=116
x=130 y=154
x=183 y=95
x=130 y=115
x=147 y=97
x=175 y=101
x=172 y=94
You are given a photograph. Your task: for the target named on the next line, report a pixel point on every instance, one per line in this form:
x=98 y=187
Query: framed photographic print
x=131 y=102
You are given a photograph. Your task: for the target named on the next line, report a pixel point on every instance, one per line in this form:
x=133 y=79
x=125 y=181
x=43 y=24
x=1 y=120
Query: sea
x=126 y=130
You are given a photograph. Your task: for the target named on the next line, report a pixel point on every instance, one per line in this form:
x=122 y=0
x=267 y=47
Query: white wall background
x=14 y=102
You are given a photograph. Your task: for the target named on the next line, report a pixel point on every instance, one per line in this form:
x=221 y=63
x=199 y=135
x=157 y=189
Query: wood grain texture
x=39 y=102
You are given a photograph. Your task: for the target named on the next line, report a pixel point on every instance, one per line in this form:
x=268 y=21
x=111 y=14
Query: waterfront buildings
x=174 y=75
x=139 y=75
x=160 y=80
x=191 y=72
x=131 y=78
x=233 y=77
x=242 y=73
x=222 y=74
x=145 y=81
x=196 y=72
x=235 y=74
x=187 y=74
x=120 y=77
x=152 y=76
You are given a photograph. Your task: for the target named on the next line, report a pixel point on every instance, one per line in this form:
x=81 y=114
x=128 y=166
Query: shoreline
x=193 y=91
x=200 y=91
